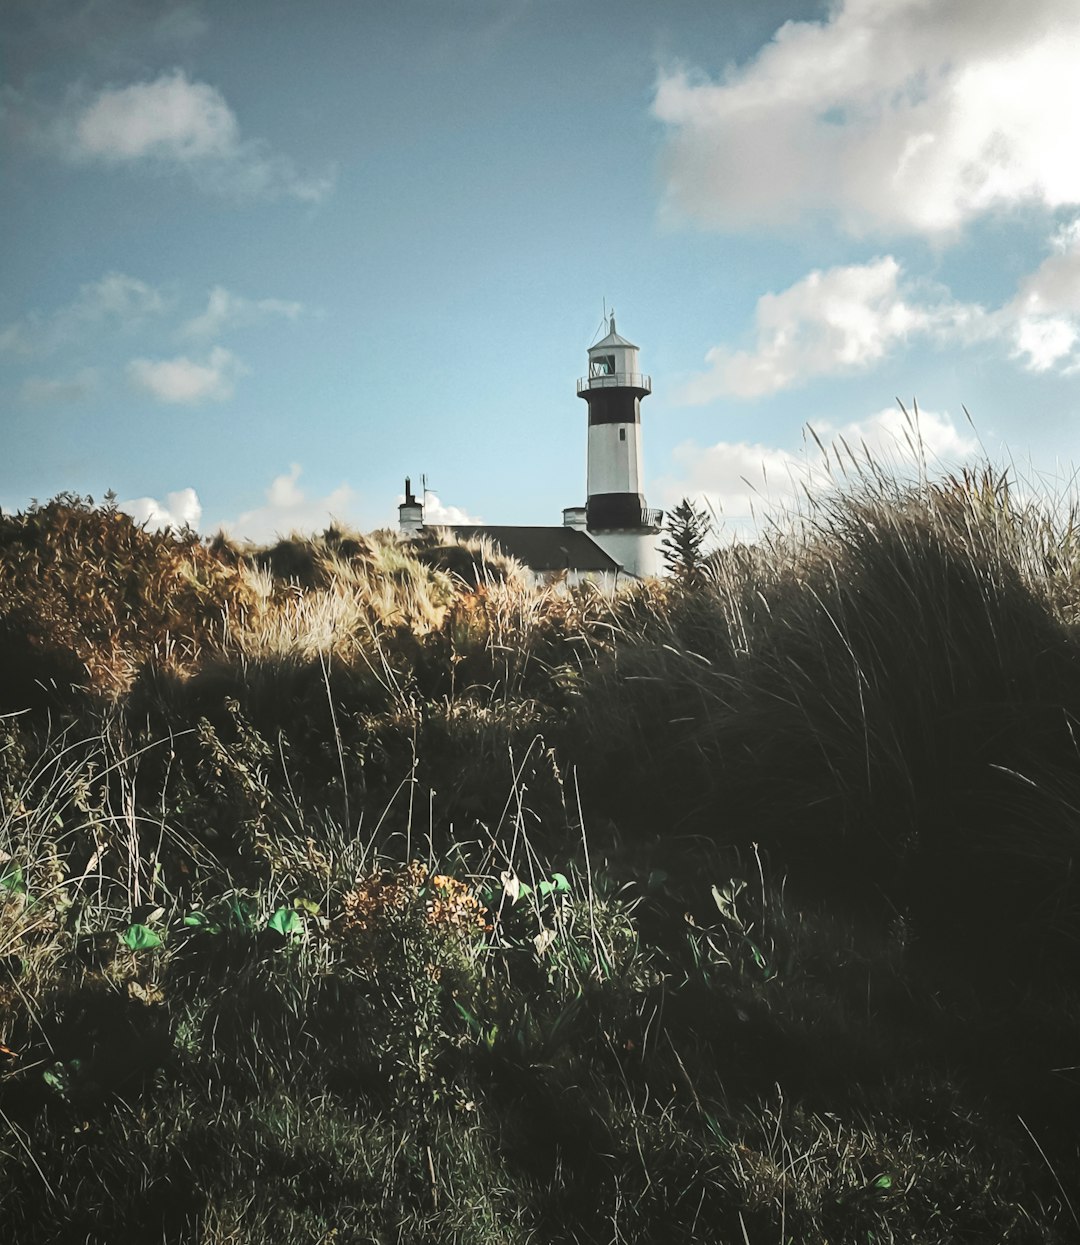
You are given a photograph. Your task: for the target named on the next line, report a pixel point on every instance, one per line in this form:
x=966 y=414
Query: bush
x=88 y=594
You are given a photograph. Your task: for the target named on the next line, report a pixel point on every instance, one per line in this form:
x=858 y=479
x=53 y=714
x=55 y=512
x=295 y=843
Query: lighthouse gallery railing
x=616 y=380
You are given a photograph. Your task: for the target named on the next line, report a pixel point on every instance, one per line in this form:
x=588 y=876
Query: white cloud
x=183 y=380
x=284 y=493
x=738 y=482
x=843 y=320
x=170 y=118
x=42 y=391
x=1045 y=314
x=126 y=299
x=840 y=320
x=894 y=116
x=118 y=304
x=1055 y=285
x=116 y=301
x=174 y=123
x=227 y=310
x=899 y=437
x=1045 y=341
x=436 y=514
x=289 y=509
x=746 y=484
x=179 y=510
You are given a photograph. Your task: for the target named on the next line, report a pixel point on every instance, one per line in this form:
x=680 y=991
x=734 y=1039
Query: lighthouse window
x=622 y=434
x=604 y=365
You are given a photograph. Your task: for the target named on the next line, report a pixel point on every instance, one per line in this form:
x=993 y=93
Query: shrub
x=85 y=589
x=683 y=544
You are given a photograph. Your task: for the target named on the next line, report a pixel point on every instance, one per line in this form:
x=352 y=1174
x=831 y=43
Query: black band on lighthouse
x=615 y=510
x=614 y=406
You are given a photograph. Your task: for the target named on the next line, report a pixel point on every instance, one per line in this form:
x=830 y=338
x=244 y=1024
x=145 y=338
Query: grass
x=369 y=893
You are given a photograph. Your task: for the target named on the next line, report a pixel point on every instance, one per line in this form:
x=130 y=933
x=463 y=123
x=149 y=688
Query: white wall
x=574 y=516
x=410 y=519
x=614 y=464
x=637 y=553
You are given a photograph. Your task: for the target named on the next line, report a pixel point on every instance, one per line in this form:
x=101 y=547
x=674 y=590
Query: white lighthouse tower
x=616 y=516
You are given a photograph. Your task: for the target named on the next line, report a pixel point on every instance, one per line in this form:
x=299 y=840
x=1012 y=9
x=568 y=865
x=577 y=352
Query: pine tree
x=687 y=529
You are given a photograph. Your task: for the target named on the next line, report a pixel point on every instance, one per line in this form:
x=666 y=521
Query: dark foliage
x=682 y=547
x=735 y=908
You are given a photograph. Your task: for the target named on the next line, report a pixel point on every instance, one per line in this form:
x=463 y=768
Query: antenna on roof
x=603 y=319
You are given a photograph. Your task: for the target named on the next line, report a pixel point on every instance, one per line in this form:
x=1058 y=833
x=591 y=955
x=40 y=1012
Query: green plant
x=682 y=547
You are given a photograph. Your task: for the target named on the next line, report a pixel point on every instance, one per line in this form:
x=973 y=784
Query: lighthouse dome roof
x=612 y=339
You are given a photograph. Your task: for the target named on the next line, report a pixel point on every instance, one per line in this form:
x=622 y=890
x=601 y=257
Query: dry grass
x=417 y=903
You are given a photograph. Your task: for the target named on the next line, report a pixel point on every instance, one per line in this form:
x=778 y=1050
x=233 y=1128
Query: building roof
x=546 y=548
x=612 y=339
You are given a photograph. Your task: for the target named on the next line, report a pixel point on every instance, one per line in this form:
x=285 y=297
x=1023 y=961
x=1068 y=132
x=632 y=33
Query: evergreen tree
x=686 y=531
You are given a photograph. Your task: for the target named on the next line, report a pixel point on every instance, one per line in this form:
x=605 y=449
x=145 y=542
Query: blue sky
x=259 y=260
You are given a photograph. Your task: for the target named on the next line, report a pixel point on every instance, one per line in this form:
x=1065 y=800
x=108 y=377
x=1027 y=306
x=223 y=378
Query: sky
x=259 y=261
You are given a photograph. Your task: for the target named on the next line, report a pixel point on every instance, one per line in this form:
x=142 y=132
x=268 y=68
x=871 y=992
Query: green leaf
x=11 y=878
x=725 y=901
x=714 y=1127
x=468 y=1017
x=545 y=889
x=486 y=1035
x=199 y=920
x=759 y=959
x=141 y=938
x=286 y=921
x=59 y=1076
x=883 y=1182
x=242 y=910
x=306 y=905
x=561 y=884
x=56 y=1079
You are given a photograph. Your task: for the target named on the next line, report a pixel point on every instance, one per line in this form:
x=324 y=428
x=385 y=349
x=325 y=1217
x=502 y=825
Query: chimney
x=410 y=512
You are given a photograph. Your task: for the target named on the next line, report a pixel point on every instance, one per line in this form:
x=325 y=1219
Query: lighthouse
x=616 y=516
x=615 y=535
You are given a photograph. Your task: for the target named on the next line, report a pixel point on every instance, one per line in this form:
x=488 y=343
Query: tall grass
x=888 y=702
x=385 y=896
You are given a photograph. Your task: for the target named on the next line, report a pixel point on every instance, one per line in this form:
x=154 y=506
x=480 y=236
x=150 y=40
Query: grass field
x=354 y=891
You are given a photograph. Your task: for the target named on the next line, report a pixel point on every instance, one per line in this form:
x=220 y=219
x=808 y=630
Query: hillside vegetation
x=358 y=891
